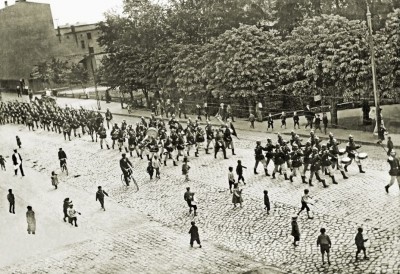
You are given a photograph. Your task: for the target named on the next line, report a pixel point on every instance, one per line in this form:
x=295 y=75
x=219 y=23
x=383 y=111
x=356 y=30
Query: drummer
x=394 y=171
x=334 y=150
x=351 y=149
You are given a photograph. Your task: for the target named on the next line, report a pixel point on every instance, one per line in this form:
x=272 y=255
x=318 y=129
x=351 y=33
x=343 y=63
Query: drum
x=342 y=151
x=362 y=155
x=152 y=132
x=345 y=160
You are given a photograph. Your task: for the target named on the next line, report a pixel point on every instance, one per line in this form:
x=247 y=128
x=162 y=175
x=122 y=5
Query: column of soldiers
x=291 y=158
x=171 y=141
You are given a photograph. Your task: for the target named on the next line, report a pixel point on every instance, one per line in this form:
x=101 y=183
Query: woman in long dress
x=237 y=196
x=30 y=218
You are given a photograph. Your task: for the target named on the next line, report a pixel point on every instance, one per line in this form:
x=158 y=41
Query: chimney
x=5 y=4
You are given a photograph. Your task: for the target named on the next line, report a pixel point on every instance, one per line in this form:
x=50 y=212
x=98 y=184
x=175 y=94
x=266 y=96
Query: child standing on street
x=325 y=242
x=231 y=178
x=283 y=119
x=150 y=169
x=2 y=163
x=266 y=201
x=239 y=171
x=54 y=179
x=185 y=170
x=295 y=231
x=325 y=122
x=18 y=141
x=252 y=118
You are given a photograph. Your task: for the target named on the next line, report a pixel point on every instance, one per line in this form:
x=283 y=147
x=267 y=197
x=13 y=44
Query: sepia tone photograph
x=200 y=136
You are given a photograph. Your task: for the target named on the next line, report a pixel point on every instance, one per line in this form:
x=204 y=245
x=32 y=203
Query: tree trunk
x=334 y=111
x=131 y=94
x=146 y=95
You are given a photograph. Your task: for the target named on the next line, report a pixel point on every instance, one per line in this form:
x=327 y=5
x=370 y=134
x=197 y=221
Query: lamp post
x=376 y=95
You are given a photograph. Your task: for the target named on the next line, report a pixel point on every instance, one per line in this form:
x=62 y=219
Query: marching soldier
x=228 y=139
x=269 y=148
x=279 y=162
x=296 y=156
x=315 y=167
x=114 y=134
x=199 y=140
x=219 y=144
x=351 y=150
x=334 y=150
x=210 y=135
x=394 y=172
x=109 y=117
x=259 y=157
x=103 y=136
x=326 y=163
x=67 y=130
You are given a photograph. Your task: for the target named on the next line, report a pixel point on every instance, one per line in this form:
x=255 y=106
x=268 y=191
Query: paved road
x=249 y=232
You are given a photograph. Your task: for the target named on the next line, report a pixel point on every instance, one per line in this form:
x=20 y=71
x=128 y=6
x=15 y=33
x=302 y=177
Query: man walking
x=100 y=196
x=194 y=235
x=11 y=200
x=325 y=244
x=17 y=161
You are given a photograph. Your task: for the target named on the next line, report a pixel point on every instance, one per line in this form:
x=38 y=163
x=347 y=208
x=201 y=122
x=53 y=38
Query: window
x=83 y=44
x=89 y=35
x=91 y=50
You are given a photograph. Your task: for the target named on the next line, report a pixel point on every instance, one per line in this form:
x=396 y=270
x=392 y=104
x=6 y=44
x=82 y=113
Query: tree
x=326 y=55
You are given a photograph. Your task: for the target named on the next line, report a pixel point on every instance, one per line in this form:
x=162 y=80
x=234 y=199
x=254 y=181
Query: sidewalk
x=361 y=137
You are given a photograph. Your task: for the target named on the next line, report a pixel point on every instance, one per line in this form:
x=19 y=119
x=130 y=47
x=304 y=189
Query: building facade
x=28 y=37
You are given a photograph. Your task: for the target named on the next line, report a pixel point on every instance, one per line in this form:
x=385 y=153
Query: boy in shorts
x=325 y=244
x=304 y=203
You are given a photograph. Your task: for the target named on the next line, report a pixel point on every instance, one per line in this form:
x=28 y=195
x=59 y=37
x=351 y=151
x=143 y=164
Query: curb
x=284 y=133
x=341 y=140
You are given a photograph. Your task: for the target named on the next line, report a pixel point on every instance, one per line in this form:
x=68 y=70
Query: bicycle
x=64 y=165
x=129 y=178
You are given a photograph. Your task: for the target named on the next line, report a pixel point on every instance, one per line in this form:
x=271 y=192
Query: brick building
x=28 y=37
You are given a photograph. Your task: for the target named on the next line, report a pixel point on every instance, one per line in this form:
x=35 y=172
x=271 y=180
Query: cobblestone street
x=147 y=231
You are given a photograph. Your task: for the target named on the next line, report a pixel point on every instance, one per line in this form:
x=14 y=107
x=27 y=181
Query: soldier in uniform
x=228 y=139
x=334 y=150
x=103 y=136
x=259 y=157
x=279 y=162
x=109 y=117
x=296 y=156
x=315 y=167
x=199 y=140
x=67 y=129
x=210 y=135
x=269 y=148
x=394 y=171
x=219 y=144
x=114 y=134
x=326 y=163
x=351 y=149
